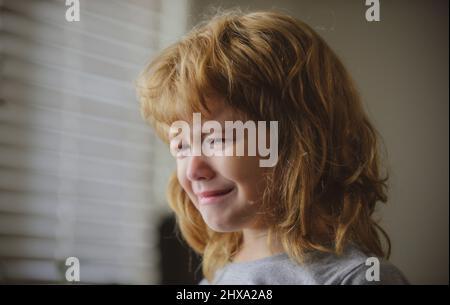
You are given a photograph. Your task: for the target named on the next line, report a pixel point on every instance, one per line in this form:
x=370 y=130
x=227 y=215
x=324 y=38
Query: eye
x=216 y=140
x=181 y=148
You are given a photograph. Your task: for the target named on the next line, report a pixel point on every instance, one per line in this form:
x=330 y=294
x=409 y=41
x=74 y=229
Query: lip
x=214 y=196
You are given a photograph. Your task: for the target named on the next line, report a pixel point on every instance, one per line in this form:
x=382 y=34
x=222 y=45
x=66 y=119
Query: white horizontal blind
x=79 y=171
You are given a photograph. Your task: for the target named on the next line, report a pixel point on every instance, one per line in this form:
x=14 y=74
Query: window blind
x=80 y=173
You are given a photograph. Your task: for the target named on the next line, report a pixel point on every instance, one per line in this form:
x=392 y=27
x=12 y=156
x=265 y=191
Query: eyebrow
x=204 y=134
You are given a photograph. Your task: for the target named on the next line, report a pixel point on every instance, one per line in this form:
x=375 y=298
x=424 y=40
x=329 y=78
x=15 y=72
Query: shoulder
x=357 y=268
x=352 y=268
x=375 y=271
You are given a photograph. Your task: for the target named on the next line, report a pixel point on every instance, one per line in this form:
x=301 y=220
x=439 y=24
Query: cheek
x=182 y=178
x=245 y=172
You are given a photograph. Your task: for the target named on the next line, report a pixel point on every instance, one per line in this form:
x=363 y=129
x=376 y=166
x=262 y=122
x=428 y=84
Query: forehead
x=217 y=110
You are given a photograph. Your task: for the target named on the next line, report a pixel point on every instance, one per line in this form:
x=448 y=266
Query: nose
x=199 y=169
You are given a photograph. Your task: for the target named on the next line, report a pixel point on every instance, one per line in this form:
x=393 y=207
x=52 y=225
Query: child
x=307 y=218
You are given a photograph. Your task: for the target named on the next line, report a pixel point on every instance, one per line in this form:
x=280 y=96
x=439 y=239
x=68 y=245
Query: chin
x=222 y=227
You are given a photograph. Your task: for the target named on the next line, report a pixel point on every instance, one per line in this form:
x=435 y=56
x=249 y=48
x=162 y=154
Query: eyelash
x=211 y=141
x=179 y=147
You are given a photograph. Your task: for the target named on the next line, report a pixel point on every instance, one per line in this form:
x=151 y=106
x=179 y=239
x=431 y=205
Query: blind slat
x=60 y=98
x=21 y=26
x=42 y=248
x=50 y=55
x=40 y=181
x=99 y=25
x=44 y=204
x=79 y=124
x=33 y=136
x=70 y=79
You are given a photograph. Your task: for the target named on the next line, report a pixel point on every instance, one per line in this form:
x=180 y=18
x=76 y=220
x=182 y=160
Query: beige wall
x=401 y=67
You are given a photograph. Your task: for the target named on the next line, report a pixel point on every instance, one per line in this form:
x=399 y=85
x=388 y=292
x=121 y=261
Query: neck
x=255 y=245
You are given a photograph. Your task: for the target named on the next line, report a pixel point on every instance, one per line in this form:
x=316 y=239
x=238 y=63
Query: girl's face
x=227 y=190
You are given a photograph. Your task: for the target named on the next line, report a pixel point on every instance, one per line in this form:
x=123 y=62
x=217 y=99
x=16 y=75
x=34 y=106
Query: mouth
x=214 y=196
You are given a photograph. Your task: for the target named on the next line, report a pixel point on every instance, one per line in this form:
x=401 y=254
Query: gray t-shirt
x=321 y=268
